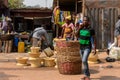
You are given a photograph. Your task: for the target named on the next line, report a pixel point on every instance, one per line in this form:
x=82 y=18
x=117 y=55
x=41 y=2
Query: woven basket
x=68 y=57
x=35 y=62
x=6 y=37
x=48 y=52
x=49 y=62
x=35 y=49
x=70 y=67
x=22 y=60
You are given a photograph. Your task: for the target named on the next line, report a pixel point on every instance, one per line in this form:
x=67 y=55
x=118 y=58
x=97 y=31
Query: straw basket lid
x=48 y=52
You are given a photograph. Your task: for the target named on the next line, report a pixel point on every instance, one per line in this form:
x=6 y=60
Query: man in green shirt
x=85 y=35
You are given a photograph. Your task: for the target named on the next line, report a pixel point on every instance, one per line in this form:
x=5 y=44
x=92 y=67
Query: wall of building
x=103 y=15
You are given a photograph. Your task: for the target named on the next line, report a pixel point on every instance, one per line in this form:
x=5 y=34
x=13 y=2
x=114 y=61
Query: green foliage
x=16 y=3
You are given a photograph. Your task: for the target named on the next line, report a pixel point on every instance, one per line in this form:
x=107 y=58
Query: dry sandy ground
x=10 y=71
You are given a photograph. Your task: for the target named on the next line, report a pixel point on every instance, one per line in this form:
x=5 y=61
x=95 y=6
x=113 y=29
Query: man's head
x=118 y=16
x=86 y=21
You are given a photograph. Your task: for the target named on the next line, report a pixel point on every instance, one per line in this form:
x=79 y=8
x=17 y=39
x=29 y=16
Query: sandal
x=86 y=78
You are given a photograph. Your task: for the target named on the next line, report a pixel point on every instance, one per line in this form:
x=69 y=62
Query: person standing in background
x=116 y=36
x=67 y=28
x=6 y=25
x=0 y=33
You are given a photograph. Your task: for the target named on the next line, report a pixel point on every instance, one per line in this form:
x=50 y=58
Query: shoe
x=87 y=78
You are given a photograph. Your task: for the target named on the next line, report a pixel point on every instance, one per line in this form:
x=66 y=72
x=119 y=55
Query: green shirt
x=85 y=36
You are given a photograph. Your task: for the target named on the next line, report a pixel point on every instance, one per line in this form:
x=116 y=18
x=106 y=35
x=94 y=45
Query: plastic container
x=21 y=47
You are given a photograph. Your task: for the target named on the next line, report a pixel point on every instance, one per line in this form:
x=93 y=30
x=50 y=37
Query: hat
x=8 y=19
x=68 y=17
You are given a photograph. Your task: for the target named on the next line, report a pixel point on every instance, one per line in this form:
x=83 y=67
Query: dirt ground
x=10 y=71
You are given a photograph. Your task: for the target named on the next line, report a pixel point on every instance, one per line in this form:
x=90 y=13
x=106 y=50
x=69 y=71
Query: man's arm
x=94 y=44
x=46 y=38
x=93 y=41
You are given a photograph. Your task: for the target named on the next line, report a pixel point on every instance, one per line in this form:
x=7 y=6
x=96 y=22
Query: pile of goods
x=68 y=57
x=35 y=60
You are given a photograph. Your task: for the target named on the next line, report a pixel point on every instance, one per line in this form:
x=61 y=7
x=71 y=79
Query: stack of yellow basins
x=68 y=57
x=34 y=57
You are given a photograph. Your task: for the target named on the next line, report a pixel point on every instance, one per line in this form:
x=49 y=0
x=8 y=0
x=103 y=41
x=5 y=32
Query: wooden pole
x=6 y=3
x=0 y=46
x=76 y=6
x=83 y=7
x=57 y=27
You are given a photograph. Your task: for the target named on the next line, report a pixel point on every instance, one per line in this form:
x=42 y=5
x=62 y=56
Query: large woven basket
x=70 y=67
x=68 y=57
x=5 y=37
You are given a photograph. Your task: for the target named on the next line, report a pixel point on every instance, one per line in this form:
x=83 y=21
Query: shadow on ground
x=106 y=78
x=110 y=78
x=93 y=71
x=4 y=76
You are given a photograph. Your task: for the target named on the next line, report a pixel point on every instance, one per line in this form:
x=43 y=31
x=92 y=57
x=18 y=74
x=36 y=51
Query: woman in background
x=67 y=28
